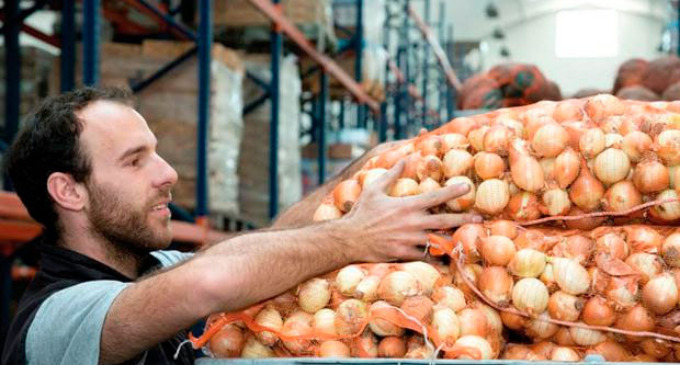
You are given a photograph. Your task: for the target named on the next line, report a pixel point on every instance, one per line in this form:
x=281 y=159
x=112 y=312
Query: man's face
x=129 y=187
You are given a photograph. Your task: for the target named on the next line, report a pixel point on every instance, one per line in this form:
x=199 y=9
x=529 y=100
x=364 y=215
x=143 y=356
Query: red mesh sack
x=630 y=73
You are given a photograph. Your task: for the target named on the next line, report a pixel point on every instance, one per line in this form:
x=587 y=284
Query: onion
x=586 y=337
x=478 y=343
x=651 y=177
x=268 y=317
x=497 y=140
x=527 y=263
x=564 y=306
x=585 y=224
x=586 y=191
x=348 y=278
x=326 y=212
x=298 y=324
x=370 y=176
x=613 y=140
x=556 y=202
x=476 y=138
x=575 y=247
x=567 y=167
x=461 y=125
x=548 y=166
x=397 y=286
x=463 y=202
x=497 y=250
x=496 y=284
x=350 y=317
x=611 y=166
x=365 y=346
x=674 y=173
x=656 y=348
x=635 y=144
x=346 y=194
x=621 y=196
x=382 y=327
x=601 y=106
x=314 y=295
x=568 y=110
x=493 y=319
x=636 y=319
x=524 y=206
x=427 y=186
x=324 y=322
x=449 y=296
x=253 y=349
x=333 y=348
x=571 y=277
x=473 y=322
x=392 y=347
x=420 y=352
x=643 y=358
x=613 y=245
x=622 y=292
x=513 y=321
x=563 y=337
x=419 y=307
x=667 y=211
x=534 y=123
x=671 y=249
x=467 y=236
x=457 y=162
x=426 y=274
x=611 y=351
x=489 y=165
x=643 y=239
x=530 y=295
x=430 y=145
x=446 y=324
x=540 y=328
x=228 y=342
x=492 y=196
x=527 y=173
x=367 y=289
x=564 y=354
x=472 y=272
x=429 y=167
x=543 y=348
x=668 y=146
x=509 y=121
x=404 y=187
x=597 y=312
x=453 y=140
x=645 y=264
x=592 y=143
x=550 y=140
x=660 y=294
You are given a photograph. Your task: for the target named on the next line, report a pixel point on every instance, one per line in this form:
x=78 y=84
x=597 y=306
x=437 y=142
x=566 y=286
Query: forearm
x=261 y=265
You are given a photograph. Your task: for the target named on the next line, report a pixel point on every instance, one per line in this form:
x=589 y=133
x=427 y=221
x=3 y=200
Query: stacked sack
x=507 y=85
x=638 y=79
x=546 y=268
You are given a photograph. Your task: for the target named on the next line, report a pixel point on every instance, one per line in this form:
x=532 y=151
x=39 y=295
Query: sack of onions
x=406 y=310
x=599 y=158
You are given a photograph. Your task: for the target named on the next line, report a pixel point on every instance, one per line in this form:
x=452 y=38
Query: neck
x=97 y=247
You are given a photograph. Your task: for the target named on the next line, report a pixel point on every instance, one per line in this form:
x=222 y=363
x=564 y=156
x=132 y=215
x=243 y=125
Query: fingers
x=439 y=196
x=388 y=178
x=445 y=221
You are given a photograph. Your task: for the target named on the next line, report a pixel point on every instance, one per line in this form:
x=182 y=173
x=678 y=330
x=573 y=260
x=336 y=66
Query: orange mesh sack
x=601 y=158
x=410 y=310
x=480 y=92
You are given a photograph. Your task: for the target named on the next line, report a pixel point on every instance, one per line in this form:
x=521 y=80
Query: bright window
x=587 y=34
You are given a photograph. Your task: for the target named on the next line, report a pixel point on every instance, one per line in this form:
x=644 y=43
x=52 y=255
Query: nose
x=166 y=176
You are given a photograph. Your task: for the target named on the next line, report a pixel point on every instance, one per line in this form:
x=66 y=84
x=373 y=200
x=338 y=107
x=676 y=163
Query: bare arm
x=242 y=271
x=301 y=213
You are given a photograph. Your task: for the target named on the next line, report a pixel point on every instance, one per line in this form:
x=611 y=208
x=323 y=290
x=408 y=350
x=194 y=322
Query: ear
x=66 y=192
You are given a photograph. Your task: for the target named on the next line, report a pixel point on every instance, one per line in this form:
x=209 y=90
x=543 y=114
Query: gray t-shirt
x=79 y=311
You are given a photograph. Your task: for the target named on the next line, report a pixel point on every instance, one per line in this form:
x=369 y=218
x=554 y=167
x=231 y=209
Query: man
x=86 y=168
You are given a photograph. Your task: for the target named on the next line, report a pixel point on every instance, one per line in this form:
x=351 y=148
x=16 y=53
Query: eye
x=135 y=162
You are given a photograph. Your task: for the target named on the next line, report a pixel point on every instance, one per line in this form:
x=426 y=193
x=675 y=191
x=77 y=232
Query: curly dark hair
x=48 y=143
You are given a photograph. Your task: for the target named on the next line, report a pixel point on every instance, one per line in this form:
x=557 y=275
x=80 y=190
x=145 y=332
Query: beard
x=126 y=226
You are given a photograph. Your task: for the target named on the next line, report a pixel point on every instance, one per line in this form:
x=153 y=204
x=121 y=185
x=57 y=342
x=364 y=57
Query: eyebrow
x=132 y=151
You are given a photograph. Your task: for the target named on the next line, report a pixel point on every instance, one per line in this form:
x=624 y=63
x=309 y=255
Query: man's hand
x=385 y=228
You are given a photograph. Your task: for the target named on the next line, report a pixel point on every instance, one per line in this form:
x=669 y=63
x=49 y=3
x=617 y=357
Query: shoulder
x=169 y=258
x=68 y=324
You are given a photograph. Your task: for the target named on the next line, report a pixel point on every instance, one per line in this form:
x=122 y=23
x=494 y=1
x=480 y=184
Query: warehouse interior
x=262 y=105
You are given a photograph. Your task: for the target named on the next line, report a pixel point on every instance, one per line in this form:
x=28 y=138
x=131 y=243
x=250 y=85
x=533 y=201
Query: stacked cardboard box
x=253 y=164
